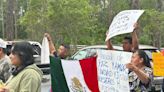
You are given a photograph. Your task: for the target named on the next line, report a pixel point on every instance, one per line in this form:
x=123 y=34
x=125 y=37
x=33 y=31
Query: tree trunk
x=134 y=4
x=159 y=5
x=10 y=19
x=158 y=33
x=157 y=39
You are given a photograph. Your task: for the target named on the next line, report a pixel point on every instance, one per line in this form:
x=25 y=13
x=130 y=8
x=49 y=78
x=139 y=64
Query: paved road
x=46 y=83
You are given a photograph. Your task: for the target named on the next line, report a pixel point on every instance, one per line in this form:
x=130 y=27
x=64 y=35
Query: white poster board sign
x=45 y=53
x=112 y=71
x=123 y=23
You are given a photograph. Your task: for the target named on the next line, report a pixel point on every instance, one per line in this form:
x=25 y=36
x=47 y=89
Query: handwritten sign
x=158 y=64
x=112 y=72
x=123 y=22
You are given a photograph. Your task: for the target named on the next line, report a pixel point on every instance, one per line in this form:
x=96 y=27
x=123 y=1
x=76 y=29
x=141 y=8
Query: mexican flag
x=74 y=76
x=106 y=72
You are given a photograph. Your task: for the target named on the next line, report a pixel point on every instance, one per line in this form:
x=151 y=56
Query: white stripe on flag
x=74 y=76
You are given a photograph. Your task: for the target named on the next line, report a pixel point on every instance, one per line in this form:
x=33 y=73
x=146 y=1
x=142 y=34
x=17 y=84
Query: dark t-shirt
x=57 y=56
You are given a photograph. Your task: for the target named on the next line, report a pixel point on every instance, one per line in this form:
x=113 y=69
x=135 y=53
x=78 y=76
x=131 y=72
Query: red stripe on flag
x=89 y=69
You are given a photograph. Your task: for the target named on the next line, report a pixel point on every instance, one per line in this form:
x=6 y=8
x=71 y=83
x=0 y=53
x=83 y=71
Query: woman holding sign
x=140 y=74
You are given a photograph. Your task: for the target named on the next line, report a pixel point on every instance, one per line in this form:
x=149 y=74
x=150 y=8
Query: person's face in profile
x=136 y=59
x=15 y=60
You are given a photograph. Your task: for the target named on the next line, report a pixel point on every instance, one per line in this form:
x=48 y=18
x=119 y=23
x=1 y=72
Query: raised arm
x=109 y=45
x=135 y=42
x=51 y=44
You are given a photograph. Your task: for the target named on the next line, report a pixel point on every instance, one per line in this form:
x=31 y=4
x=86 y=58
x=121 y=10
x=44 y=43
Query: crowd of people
x=19 y=73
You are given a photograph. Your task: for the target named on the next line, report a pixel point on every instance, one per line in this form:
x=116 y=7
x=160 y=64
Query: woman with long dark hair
x=140 y=74
x=26 y=76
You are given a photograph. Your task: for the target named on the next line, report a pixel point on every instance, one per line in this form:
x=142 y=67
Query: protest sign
x=112 y=72
x=123 y=23
x=158 y=64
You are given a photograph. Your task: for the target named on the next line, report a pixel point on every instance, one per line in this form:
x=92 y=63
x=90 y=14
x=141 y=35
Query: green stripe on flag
x=58 y=80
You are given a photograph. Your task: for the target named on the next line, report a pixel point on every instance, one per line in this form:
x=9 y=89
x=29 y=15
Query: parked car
x=90 y=51
x=36 y=47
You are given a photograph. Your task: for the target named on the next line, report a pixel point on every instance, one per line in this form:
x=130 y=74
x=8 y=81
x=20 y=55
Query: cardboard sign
x=112 y=72
x=123 y=23
x=158 y=64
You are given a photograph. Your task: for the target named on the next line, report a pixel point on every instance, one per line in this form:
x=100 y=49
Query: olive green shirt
x=28 y=80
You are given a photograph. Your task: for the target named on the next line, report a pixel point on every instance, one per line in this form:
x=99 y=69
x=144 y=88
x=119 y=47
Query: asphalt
x=46 y=83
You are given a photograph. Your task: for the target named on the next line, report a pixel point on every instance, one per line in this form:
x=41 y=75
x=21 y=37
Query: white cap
x=2 y=43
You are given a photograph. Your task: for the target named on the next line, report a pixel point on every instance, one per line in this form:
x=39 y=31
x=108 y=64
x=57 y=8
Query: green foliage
x=85 y=21
x=152 y=22
x=72 y=20
x=35 y=19
x=148 y=4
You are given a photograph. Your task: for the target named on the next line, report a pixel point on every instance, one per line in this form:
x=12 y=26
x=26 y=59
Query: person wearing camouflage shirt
x=4 y=62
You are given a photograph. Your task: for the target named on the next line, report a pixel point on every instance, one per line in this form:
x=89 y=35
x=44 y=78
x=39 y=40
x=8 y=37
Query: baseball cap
x=2 y=43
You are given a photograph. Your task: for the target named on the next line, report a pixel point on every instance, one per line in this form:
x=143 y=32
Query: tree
x=85 y=21
x=134 y=4
x=10 y=19
x=34 y=21
x=72 y=20
x=152 y=28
